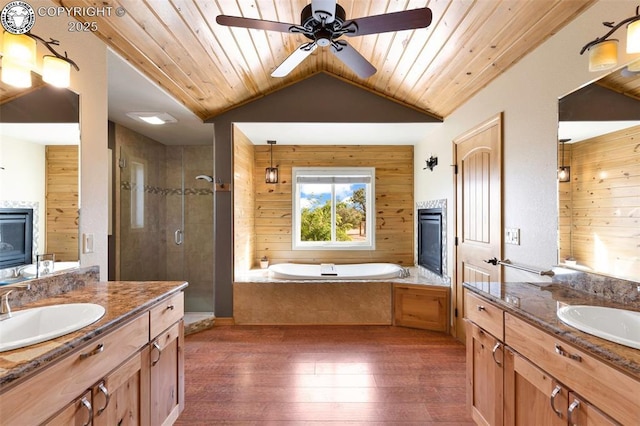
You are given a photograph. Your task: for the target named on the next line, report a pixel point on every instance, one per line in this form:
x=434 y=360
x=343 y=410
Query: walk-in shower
x=165 y=218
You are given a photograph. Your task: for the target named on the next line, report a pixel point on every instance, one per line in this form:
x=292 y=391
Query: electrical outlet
x=512 y=236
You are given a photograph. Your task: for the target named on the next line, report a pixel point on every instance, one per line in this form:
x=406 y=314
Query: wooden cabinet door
x=117 y=398
x=484 y=376
x=421 y=307
x=167 y=375
x=531 y=396
x=78 y=413
x=582 y=413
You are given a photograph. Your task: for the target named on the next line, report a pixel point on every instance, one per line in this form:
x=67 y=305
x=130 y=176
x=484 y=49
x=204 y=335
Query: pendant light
x=564 y=172
x=271 y=173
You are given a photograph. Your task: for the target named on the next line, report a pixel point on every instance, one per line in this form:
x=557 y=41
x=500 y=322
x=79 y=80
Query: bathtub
x=361 y=271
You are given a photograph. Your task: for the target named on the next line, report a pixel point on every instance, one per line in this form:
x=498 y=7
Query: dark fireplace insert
x=430 y=239
x=16 y=237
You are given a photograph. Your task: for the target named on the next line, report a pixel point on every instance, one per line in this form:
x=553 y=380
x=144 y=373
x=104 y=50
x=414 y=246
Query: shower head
x=205 y=177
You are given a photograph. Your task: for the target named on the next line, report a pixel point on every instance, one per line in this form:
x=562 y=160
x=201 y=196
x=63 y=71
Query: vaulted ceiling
x=212 y=68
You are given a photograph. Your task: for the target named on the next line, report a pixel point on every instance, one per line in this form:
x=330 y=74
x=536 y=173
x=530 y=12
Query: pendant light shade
x=56 y=71
x=19 y=49
x=15 y=74
x=603 y=55
x=633 y=37
x=271 y=173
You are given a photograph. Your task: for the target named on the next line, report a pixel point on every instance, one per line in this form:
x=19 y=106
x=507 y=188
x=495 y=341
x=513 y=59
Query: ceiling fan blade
x=396 y=21
x=256 y=24
x=324 y=9
x=294 y=59
x=353 y=59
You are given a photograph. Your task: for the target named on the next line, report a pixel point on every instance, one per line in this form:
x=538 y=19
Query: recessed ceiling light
x=153 y=117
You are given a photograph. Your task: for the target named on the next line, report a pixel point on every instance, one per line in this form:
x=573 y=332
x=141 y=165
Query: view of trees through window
x=333 y=212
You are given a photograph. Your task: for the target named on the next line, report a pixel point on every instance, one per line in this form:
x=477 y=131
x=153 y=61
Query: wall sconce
x=431 y=163
x=603 y=51
x=564 y=172
x=19 y=59
x=271 y=173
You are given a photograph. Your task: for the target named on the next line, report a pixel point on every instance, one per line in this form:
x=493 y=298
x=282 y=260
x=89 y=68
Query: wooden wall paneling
x=244 y=240
x=604 y=199
x=61 y=224
x=394 y=202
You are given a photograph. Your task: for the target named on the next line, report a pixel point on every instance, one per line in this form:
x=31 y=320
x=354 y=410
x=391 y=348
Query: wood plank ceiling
x=212 y=68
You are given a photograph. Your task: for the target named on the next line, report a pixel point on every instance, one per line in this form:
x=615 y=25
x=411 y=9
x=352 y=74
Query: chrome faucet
x=404 y=273
x=5 y=308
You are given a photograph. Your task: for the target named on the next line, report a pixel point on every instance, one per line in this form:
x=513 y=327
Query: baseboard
x=224 y=321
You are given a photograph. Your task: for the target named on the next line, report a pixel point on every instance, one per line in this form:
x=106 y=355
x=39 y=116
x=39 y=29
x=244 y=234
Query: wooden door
x=117 y=399
x=478 y=207
x=531 y=396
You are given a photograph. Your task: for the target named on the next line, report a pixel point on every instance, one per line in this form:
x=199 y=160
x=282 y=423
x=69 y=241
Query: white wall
x=90 y=53
x=527 y=95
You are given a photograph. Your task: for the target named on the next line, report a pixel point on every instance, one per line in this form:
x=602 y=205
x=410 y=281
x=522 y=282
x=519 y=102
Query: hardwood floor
x=337 y=375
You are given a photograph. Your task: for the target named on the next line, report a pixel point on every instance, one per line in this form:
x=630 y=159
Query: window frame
x=367 y=173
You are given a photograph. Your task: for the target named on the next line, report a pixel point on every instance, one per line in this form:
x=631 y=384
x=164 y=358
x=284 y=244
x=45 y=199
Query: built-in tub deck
x=259 y=298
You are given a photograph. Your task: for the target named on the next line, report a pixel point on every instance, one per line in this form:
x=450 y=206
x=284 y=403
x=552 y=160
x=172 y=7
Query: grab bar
x=508 y=263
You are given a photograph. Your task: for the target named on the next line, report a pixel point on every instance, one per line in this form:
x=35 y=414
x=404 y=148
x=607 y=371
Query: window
x=333 y=208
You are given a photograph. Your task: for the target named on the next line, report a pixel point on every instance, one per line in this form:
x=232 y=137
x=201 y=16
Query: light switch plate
x=87 y=243
x=512 y=236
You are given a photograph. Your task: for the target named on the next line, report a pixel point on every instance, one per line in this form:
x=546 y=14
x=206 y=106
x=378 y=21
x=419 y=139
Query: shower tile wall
x=141 y=255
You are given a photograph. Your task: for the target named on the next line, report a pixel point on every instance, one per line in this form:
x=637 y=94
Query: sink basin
x=35 y=325
x=616 y=325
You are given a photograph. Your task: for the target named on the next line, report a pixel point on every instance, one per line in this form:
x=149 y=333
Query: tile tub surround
x=123 y=300
x=260 y=299
x=538 y=303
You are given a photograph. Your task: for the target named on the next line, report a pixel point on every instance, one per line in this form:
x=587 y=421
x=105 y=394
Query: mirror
x=39 y=170
x=599 y=205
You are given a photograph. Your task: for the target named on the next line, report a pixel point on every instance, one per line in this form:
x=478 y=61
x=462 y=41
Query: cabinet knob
x=481 y=308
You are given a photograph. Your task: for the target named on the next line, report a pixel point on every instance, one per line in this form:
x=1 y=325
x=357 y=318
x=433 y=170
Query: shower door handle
x=178 y=237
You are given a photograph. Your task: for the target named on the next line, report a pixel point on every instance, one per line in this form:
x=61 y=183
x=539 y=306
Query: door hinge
x=455 y=169
x=455 y=312
x=455 y=241
x=122 y=163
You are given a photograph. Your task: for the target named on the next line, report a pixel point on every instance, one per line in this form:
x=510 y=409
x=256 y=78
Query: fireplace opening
x=16 y=237
x=430 y=239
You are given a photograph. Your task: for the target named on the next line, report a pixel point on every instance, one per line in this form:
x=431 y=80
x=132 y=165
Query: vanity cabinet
x=131 y=375
x=609 y=392
x=166 y=361
x=421 y=306
x=116 y=400
x=518 y=374
x=485 y=373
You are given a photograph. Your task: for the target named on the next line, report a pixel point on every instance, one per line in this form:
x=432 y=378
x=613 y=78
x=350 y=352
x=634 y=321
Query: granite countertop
x=538 y=303
x=122 y=300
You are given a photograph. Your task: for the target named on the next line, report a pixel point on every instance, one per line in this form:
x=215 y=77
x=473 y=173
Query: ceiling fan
x=324 y=23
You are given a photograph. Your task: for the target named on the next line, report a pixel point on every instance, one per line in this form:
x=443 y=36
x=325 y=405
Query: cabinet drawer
x=34 y=400
x=166 y=313
x=484 y=314
x=612 y=391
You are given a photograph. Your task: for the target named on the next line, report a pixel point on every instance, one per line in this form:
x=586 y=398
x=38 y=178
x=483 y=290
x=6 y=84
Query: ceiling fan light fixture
x=603 y=55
